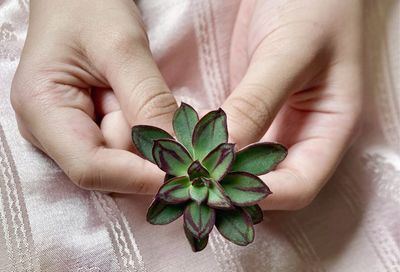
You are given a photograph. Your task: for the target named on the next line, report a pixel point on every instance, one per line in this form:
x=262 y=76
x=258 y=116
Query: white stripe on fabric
x=124 y=244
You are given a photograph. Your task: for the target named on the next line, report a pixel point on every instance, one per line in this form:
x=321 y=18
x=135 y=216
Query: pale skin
x=296 y=78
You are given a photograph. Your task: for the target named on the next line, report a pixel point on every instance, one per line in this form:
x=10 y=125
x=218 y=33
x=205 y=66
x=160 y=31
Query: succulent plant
x=205 y=180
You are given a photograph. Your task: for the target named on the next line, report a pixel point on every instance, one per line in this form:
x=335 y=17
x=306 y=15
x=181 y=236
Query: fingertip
x=289 y=191
x=116 y=131
x=120 y=171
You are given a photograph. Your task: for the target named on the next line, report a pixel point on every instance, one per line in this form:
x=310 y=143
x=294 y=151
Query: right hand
x=88 y=61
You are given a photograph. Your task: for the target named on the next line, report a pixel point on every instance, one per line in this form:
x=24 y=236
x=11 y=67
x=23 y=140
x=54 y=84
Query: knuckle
x=125 y=41
x=304 y=195
x=139 y=182
x=24 y=132
x=15 y=99
x=302 y=201
x=139 y=186
x=19 y=91
x=251 y=109
x=42 y=96
x=25 y=94
x=81 y=176
x=280 y=49
x=152 y=98
x=86 y=178
x=85 y=173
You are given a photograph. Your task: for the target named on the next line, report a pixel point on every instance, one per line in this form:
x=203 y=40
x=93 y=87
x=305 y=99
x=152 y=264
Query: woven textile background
x=48 y=224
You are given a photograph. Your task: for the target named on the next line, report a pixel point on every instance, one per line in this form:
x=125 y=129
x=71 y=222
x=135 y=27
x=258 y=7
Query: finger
x=116 y=131
x=268 y=82
x=113 y=125
x=317 y=142
x=104 y=101
x=138 y=84
x=297 y=180
x=68 y=134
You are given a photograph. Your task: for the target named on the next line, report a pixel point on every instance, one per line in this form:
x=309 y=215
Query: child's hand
x=75 y=53
x=301 y=68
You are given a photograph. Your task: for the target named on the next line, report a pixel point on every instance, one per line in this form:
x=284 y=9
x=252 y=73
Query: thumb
x=265 y=87
x=140 y=88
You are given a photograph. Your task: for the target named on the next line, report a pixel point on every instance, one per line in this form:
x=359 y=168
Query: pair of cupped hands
x=87 y=75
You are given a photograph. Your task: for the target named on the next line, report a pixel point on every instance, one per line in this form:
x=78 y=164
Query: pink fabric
x=48 y=224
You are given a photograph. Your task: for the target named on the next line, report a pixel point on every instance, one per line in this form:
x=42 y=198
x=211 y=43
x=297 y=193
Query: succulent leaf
x=197 y=170
x=196 y=244
x=236 y=226
x=171 y=157
x=259 y=159
x=175 y=190
x=209 y=132
x=217 y=198
x=205 y=180
x=244 y=189
x=219 y=161
x=185 y=119
x=143 y=138
x=161 y=213
x=198 y=193
x=255 y=213
x=199 y=219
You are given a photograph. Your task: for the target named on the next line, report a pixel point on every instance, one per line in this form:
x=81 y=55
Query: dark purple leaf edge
x=258 y=219
x=172 y=200
x=219 y=187
x=167 y=177
x=197 y=168
x=201 y=181
x=197 y=201
x=248 y=221
x=196 y=244
x=157 y=143
x=220 y=159
x=218 y=113
x=142 y=127
x=157 y=201
x=182 y=108
x=260 y=189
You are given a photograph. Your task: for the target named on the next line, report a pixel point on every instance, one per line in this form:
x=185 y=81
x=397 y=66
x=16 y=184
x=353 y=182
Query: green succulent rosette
x=206 y=181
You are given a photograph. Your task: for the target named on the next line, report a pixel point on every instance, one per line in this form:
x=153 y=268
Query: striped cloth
x=48 y=224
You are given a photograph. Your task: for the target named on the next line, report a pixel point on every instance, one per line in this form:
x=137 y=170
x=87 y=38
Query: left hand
x=296 y=66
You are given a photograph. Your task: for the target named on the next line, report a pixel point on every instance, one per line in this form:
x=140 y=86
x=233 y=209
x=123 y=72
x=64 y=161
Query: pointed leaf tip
x=260 y=158
x=209 y=132
x=161 y=213
x=236 y=226
x=217 y=198
x=255 y=212
x=143 y=138
x=184 y=121
x=171 y=157
x=196 y=244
